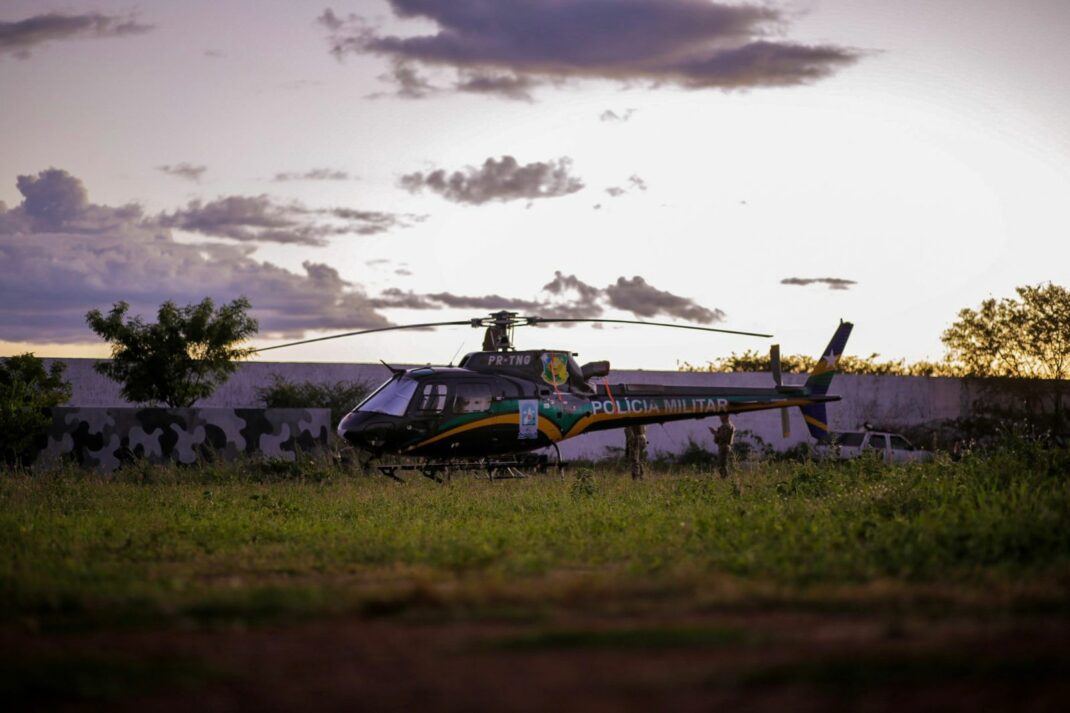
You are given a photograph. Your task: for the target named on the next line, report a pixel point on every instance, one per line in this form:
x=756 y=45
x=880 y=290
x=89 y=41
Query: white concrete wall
x=882 y=400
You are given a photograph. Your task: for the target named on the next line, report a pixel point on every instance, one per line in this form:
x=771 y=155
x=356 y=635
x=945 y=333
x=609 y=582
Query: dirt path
x=753 y=661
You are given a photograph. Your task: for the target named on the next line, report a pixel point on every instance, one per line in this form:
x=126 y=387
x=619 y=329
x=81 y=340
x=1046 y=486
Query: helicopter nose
x=366 y=431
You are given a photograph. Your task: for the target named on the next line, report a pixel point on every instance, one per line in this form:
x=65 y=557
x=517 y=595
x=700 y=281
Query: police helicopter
x=498 y=405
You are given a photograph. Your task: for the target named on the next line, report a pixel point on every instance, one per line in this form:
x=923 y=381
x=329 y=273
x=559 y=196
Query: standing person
x=635 y=449
x=722 y=436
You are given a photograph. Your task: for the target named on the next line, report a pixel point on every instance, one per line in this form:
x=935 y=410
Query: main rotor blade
x=466 y=322
x=542 y=320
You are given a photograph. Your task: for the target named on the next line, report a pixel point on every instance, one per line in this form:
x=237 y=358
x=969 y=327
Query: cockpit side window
x=432 y=398
x=471 y=397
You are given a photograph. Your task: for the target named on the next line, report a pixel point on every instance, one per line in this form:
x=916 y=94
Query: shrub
x=26 y=392
x=340 y=397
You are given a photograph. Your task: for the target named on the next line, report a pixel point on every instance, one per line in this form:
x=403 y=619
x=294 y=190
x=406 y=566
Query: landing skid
x=491 y=469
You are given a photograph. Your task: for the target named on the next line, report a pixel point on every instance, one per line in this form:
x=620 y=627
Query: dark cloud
x=834 y=283
x=396 y=298
x=613 y=117
x=486 y=302
x=18 y=38
x=689 y=43
x=52 y=198
x=331 y=21
x=507 y=86
x=315 y=174
x=566 y=296
x=184 y=170
x=644 y=300
x=54 y=201
x=498 y=180
x=61 y=255
x=634 y=181
x=262 y=219
x=409 y=83
x=392 y=297
x=563 y=285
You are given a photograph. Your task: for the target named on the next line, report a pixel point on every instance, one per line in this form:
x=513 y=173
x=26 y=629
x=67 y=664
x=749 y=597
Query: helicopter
x=500 y=404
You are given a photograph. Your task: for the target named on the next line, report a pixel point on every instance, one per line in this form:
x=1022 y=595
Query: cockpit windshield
x=392 y=398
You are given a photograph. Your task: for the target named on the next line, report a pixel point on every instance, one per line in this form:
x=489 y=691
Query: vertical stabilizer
x=821 y=377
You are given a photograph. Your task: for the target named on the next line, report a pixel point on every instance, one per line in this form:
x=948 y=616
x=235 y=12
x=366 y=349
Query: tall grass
x=311 y=538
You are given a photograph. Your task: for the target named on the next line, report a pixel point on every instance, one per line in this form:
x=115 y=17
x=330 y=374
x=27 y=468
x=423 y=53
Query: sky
x=757 y=166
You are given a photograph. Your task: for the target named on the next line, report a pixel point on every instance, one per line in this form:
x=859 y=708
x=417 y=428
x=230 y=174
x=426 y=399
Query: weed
x=583 y=484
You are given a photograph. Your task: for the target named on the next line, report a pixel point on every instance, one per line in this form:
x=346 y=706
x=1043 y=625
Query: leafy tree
x=183 y=357
x=26 y=391
x=340 y=397
x=1027 y=338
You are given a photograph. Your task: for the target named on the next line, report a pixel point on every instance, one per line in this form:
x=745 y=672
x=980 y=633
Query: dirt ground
x=758 y=661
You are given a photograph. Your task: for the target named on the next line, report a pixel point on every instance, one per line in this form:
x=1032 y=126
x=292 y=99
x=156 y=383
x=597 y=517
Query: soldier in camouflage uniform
x=723 y=436
x=635 y=449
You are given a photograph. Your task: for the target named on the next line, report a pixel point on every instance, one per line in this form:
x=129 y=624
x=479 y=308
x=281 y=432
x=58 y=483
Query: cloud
x=644 y=300
x=399 y=299
x=18 y=38
x=315 y=174
x=486 y=302
x=262 y=219
x=688 y=43
x=566 y=296
x=834 y=283
x=61 y=255
x=409 y=83
x=184 y=170
x=613 y=117
x=506 y=86
x=395 y=298
x=634 y=181
x=498 y=180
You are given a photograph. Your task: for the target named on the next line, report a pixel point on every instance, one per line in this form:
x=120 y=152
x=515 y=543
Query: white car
x=892 y=447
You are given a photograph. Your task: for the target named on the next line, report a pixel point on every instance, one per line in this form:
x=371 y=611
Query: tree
x=183 y=357
x=26 y=391
x=1024 y=338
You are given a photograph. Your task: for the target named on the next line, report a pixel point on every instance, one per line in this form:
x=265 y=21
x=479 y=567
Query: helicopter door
x=431 y=400
x=471 y=397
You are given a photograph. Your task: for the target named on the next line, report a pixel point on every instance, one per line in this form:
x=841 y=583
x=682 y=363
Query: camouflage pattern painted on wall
x=106 y=438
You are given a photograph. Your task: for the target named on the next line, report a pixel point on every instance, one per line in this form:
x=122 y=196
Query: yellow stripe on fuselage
x=546 y=427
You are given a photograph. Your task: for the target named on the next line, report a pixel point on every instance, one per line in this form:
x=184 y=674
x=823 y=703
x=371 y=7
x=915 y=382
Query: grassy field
x=584 y=566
